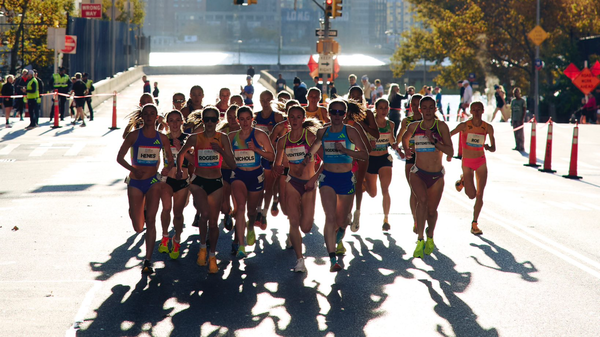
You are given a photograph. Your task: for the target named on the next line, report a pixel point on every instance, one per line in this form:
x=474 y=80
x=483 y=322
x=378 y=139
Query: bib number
x=148 y=155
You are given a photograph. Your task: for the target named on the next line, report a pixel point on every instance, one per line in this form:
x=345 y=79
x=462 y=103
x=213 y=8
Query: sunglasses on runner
x=210 y=119
x=337 y=112
x=179 y=101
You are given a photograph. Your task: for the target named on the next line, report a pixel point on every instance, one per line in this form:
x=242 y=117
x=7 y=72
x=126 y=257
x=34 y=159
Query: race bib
x=422 y=144
x=245 y=158
x=475 y=140
x=383 y=141
x=295 y=154
x=262 y=127
x=329 y=147
x=148 y=155
x=208 y=158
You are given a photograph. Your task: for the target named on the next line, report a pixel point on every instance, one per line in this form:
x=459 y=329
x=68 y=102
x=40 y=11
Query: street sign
x=56 y=38
x=325 y=63
x=91 y=11
x=586 y=81
x=70 y=44
x=472 y=77
x=537 y=35
x=539 y=64
x=572 y=71
x=321 y=33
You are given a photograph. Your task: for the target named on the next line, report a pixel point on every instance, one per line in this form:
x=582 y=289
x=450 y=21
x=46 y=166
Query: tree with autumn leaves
x=27 y=21
x=489 y=38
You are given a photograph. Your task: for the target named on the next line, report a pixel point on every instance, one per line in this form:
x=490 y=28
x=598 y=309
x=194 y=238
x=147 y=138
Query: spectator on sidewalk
x=281 y=84
x=518 y=108
x=300 y=91
x=250 y=71
x=89 y=84
x=248 y=91
x=147 y=88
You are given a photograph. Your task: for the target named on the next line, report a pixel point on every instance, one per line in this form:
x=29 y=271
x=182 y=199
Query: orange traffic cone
x=114 y=114
x=532 y=145
x=573 y=166
x=548 y=156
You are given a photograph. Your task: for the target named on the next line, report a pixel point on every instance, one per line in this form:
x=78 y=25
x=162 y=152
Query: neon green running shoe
x=241 y=253
x=340 y=249
x=163 y=247
x=174 y=254
x=429 y=246
x=251 y=237
x=419 y=250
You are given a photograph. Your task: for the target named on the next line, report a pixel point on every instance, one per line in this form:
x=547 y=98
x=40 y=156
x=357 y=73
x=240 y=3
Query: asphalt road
x=73 y=265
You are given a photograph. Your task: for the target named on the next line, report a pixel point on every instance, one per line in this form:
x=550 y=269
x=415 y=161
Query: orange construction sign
x=586 y=81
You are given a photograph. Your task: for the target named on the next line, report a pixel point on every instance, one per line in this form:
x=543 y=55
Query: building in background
x=219 y=24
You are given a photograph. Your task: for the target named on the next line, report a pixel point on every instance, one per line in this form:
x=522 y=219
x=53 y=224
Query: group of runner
x=273 y=158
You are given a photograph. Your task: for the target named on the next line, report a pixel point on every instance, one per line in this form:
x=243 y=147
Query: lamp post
x=239 y=51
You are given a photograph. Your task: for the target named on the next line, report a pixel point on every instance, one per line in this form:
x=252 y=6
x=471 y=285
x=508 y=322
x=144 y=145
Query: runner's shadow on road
x=457 y=312
x=505 y=260
x=14 y=134
x=119 y=258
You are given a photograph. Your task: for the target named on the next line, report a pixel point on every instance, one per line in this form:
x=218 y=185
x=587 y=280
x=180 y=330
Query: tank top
x=296 y=151
x=385 y=135
x=422 y=143
x=473 y=139
x=182 y=138
x=330 y=154
x=318 y=114
x=410 y=119
x=265 y=124
x=204 y=155
x=146 y=151
x=245 y=157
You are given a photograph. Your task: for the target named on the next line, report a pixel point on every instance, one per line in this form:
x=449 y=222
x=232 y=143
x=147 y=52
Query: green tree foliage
x=489 y=38
x=28 y=22
x=135 y=16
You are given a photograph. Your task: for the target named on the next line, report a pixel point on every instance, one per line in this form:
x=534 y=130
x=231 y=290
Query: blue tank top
x=265 y=124
x=245 y=157
x=146 y=151
x=330 y=154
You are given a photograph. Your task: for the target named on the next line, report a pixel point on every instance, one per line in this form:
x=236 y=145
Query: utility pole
x=537 y=72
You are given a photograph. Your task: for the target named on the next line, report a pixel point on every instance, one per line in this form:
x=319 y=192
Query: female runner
x=231 y=126
x=380 y=161
x=249 y=146
x=174 y=192
x=432 y=140
x=341 y=145
x=210 y=149
x=143 y=184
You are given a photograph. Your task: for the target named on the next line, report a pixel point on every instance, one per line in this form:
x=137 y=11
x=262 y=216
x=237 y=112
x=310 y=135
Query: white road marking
x=83 y=309
x=75 y=149
x=40 y=150
x=567 y=254
x=8 y=149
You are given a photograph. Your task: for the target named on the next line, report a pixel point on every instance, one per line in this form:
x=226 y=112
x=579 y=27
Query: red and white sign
x=586 y=81
x=70 y=44
x=91 y=11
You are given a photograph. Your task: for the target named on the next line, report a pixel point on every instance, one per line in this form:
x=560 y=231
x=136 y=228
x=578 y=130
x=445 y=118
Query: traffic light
x=337 y=8
x=329 y=8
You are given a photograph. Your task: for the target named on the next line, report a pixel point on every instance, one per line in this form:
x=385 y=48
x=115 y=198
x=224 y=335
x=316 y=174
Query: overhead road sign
x=321 y=33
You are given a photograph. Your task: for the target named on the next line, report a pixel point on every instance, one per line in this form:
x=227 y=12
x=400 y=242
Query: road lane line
x=40 y=150
x=75 y=149
x=8 y=149
x=83 y=309
x=576 y=259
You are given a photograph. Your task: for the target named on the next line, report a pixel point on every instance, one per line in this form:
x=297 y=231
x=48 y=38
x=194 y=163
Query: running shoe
x=212 y=265
x=241 y=253
x=288 y=243
x=339 y=235
x=355 y=221
x=340 y=249
x=258 y=220
x=386 y=227
x=174 y=254
x=147 y=268
x=251 y=237
x=300 y=267
x=228 y=222
x=263 y=223
x=335 y=267
x=83 y=125
x=163 y=247
x=459 y=184
x=274 y=209
x=234 y=248
x=429 y=246
x=196 y=220
x=202 y=257
x=419 y=250
x=8 y=125
x=475 y=229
